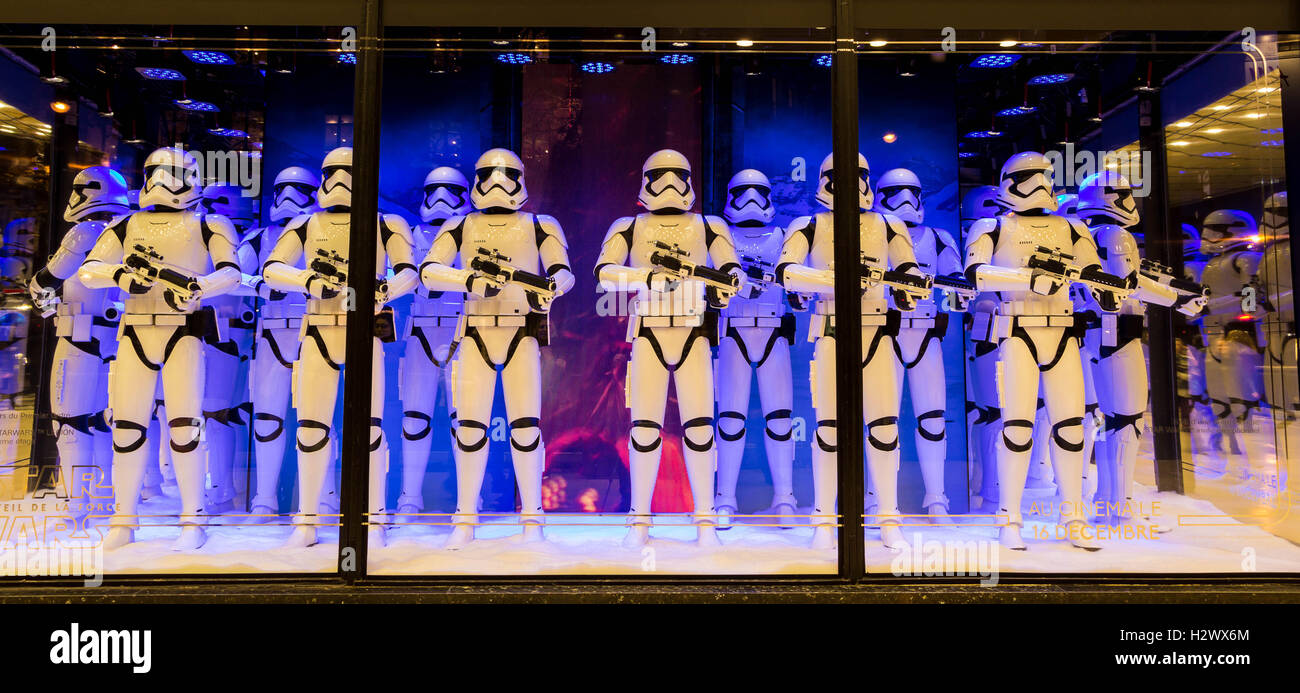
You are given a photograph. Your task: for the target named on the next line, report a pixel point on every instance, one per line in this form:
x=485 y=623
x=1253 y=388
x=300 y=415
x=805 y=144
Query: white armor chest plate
x=873 y=240
x=925 y=245
x=448 y=303
x=686 y=232
x=331 y=232
x=512 y=235
x=293 y=304
x=758 y=243
x=178 y=238
x=77 y=298
x=1121 y=257
x=1017 y=240
x=1225 y=275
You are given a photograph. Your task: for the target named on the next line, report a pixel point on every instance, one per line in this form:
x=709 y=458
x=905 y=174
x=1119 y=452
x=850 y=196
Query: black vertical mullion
x=1164 y=245
x=848 y=318
x=359 y=355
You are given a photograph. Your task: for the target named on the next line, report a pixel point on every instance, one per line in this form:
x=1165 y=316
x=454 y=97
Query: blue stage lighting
x=209 y=57
x=162 y=73
x=995 y=60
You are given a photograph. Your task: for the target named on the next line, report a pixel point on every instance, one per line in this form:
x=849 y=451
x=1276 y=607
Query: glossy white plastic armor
x=161 y=335
x=85 y=326
x=502 y=328
x=983 y=407
x=1035 y=322
x=429 y=341
x=323 y=336
x=755 y=337
x=669 y=335
x=919 y=355
x=805 y=266
x=1280 y=345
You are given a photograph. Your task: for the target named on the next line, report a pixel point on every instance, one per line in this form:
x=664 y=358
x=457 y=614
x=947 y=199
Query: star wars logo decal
x=50 y=533
x=234 y=167
x=1071 y=167
x=931 y=557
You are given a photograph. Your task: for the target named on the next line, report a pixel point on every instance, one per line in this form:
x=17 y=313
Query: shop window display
x=638 y=243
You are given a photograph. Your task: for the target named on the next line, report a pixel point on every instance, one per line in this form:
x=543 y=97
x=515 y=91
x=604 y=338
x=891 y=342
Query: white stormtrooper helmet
x=336 y=179
x=1277 y=216
x=900 y=195
x=171 y=180
x=96 y=190
x=666 y=182
x=1109 y=195
x=826 y=188
x=1067 y=204
x=19 y=239
x=749 y=199
x=1026 y=183
x=499 y=181
x=444 y=195
x=229 y=201
x=1227 y=229
x=980 y=203
x=293 y=193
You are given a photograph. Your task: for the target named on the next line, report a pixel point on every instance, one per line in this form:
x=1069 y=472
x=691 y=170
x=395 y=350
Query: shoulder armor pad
x=454 y=228
x=547 y=226
x=1078 y=230
x=254 y=238
x=390 y=224
x=217 y=225
x=715 y=227
x=298 y=225
x=82 y=236
x=943 y=240
x=989 y=226
x=895 y=228
x=622 y=226
x=118 y=226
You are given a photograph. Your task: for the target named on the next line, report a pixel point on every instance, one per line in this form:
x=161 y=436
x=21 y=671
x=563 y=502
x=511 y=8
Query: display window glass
x=151 y=176
x=577 y=386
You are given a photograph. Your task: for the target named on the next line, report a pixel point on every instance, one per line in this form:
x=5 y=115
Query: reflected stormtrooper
x=1280 y=331
x=1106 y=204
x=920 y=357
x=278 y=327
x=756 y=337
x=85 y=325
x=1035 y=325
x=430 y=345
x=510 y=264
x=320 y=243
x=806 y=265
x=167 y=258
x=225 y=394
x=680 y=265
x=1233 y=361
x=981 y=363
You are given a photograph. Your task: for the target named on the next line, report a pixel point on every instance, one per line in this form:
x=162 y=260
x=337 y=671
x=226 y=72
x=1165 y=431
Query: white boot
x=192 y=537
x=1009 y=537
x=891 y=535
x=118 y=537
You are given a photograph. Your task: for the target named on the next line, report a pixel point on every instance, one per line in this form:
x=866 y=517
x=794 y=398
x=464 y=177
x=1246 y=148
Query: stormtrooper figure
x=920 y=357
x=1280 y=332
x=85 y=325
x=279 y=322
x=310 y=257
x=981 y=364
x=1035 y=323
x=429 y=347
x=510 y=264
x=1201 y=419
x=806 y=265
x=168 y=257
x=226 y=359
x=671 y=328
x=756 y=337
x=1233 y=361
x=1106 y=204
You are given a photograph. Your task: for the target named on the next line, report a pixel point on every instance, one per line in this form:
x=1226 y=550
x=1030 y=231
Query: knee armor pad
x=888 y=428
x=1058 y=434
x=523 y=425
x=416 y=416
x=99 y=421
x=1018 y=424
x=937 y=430
x=732 y=435
x=778 y=424
x=221 y=416
x=273 y=433
x=655 y=429
x=80 y=423
x=377 y=432
x=128 y=436
x=184 y=422
x=463 y=432
x=1118 y=422
x=703 y=422
x=827 y=435
x=304 y=444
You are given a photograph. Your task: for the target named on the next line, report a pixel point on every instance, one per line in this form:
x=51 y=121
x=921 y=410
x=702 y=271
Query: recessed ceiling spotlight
x=1213 y=131
x=1009 y=43
x=878 y=43
x=1179 y=143
x=680 y=44
x=745 y=43
x=1220 y=107
x=1183 y=124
